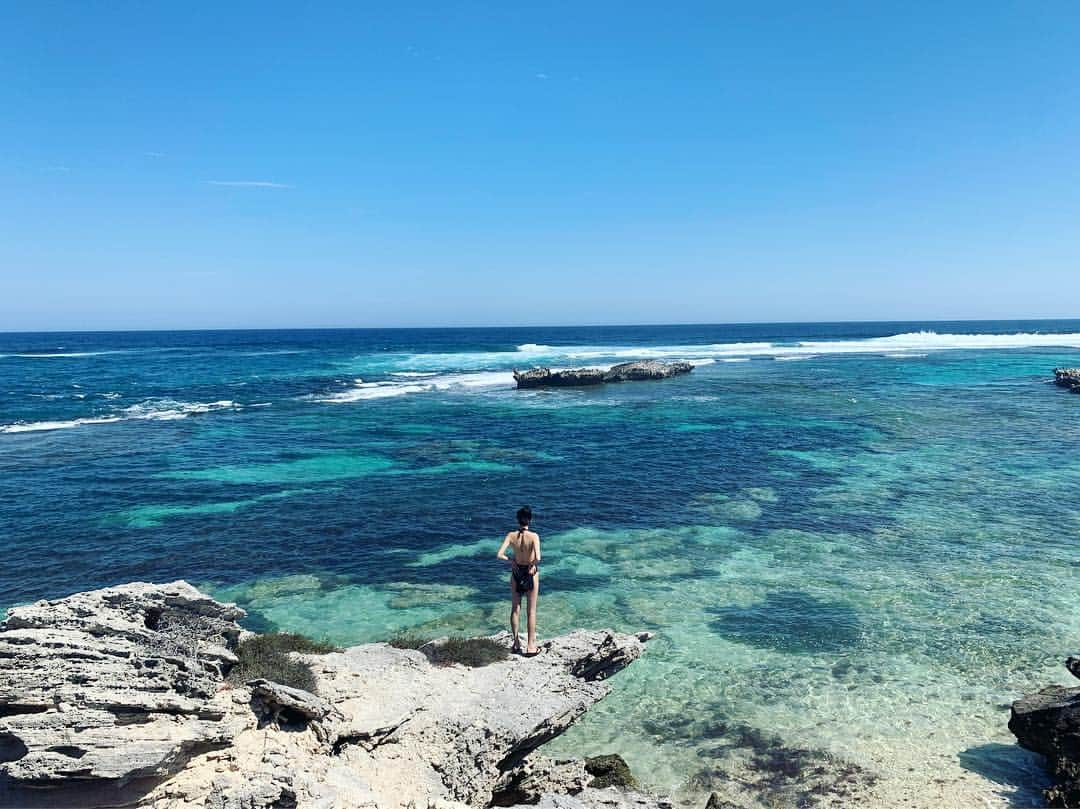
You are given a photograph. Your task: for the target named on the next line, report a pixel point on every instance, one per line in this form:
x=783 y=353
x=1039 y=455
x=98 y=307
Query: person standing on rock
x=524 y=576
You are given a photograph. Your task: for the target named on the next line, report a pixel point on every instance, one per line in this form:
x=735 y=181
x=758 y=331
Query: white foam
x=37 y=426
x=152 y=410
x=363 y=391
x=921 y=342
x=59 y=354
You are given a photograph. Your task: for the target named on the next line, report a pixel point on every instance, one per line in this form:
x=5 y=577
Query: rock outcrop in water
x=1048 y=722
x=581 y=377
x=117 y=697
x=1068 y=378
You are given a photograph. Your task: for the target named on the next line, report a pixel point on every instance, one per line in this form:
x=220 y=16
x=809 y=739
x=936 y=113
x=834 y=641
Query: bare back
x=524 y=544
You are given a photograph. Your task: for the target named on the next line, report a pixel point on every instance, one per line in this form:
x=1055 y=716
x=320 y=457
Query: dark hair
x=524 y=515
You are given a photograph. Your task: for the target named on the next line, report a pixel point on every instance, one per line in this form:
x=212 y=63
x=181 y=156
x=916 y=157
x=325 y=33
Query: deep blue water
x=903 y=495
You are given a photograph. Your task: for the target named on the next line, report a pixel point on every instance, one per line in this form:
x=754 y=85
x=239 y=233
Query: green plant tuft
x=267 y=657
x=471 y=652
x=407 y=640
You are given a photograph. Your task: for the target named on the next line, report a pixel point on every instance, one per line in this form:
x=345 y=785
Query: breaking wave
x=150 y=410
x=362 y=390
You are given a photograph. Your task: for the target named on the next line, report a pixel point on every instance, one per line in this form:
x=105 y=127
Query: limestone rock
x=646 y=369
x=288 y=707
x=116 y=698
x=461 y=729
x=1067 y=378
x=403 y=729
x=581 y=377
x=610 y=798
x=113 y=684
x=570 y=378
x=539 y=775
x=1048 y=722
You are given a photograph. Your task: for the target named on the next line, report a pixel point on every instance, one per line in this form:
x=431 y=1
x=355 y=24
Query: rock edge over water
x=117 y=697
x=1048 y=722
x=581 y=377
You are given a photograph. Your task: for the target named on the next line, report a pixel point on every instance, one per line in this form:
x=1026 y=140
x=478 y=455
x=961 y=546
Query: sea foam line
x=150 y=410
x=921 y=341
x=362 y=390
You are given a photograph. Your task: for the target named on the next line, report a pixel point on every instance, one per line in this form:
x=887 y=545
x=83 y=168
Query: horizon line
x=151 y=330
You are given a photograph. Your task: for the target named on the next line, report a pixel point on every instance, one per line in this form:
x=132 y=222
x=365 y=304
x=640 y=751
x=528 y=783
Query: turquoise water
x=856 y=543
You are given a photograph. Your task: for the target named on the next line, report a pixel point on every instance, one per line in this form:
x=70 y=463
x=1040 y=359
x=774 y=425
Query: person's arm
x=502 y=550
x=537 y=554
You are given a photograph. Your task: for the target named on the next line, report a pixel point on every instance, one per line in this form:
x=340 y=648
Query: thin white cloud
x=542 y=75
x=57 y=168
x=154 y=154
x=248 y=184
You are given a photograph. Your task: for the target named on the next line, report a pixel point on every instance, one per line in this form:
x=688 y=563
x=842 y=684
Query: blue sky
x=184 y=165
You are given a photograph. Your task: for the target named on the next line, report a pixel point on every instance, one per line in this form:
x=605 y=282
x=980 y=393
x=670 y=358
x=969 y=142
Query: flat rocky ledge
x=1068 y=378
x=118 y=697
x=582 y=377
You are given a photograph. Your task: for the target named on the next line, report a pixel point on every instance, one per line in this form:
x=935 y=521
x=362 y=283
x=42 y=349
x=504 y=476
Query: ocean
x=856 y=543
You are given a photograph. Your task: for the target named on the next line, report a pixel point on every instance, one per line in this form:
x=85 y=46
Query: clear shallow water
x=852 y=561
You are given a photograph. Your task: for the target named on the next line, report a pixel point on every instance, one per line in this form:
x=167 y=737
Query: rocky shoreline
x=581 y=377
x=1048 y=722
x=1068 y=378
x=119 y=697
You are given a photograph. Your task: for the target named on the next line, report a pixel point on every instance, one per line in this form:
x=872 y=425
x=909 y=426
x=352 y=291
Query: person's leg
x=515 y=610
x=533 y=593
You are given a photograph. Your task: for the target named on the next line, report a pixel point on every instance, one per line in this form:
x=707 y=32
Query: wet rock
x=715 y=802
x=1073 y=665
x=1048 y=722
x=546 y=378
x=609 y=771
x=580 y=377
x=1068 y=378
x=646 y=369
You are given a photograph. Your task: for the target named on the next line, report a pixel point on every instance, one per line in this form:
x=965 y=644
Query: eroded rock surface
x=114 y=684
x=117 y=697
x=1048 y=722
x=581 y=377
x=1068 y=378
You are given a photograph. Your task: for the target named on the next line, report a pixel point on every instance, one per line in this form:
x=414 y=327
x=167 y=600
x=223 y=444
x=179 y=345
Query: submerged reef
x=123 y=697
x=1068 y=378
x=581 y=377
x=1048 y=722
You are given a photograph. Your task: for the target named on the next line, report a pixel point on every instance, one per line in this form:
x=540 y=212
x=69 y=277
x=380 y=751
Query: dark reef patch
x=750 y=764
x=791 y=621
